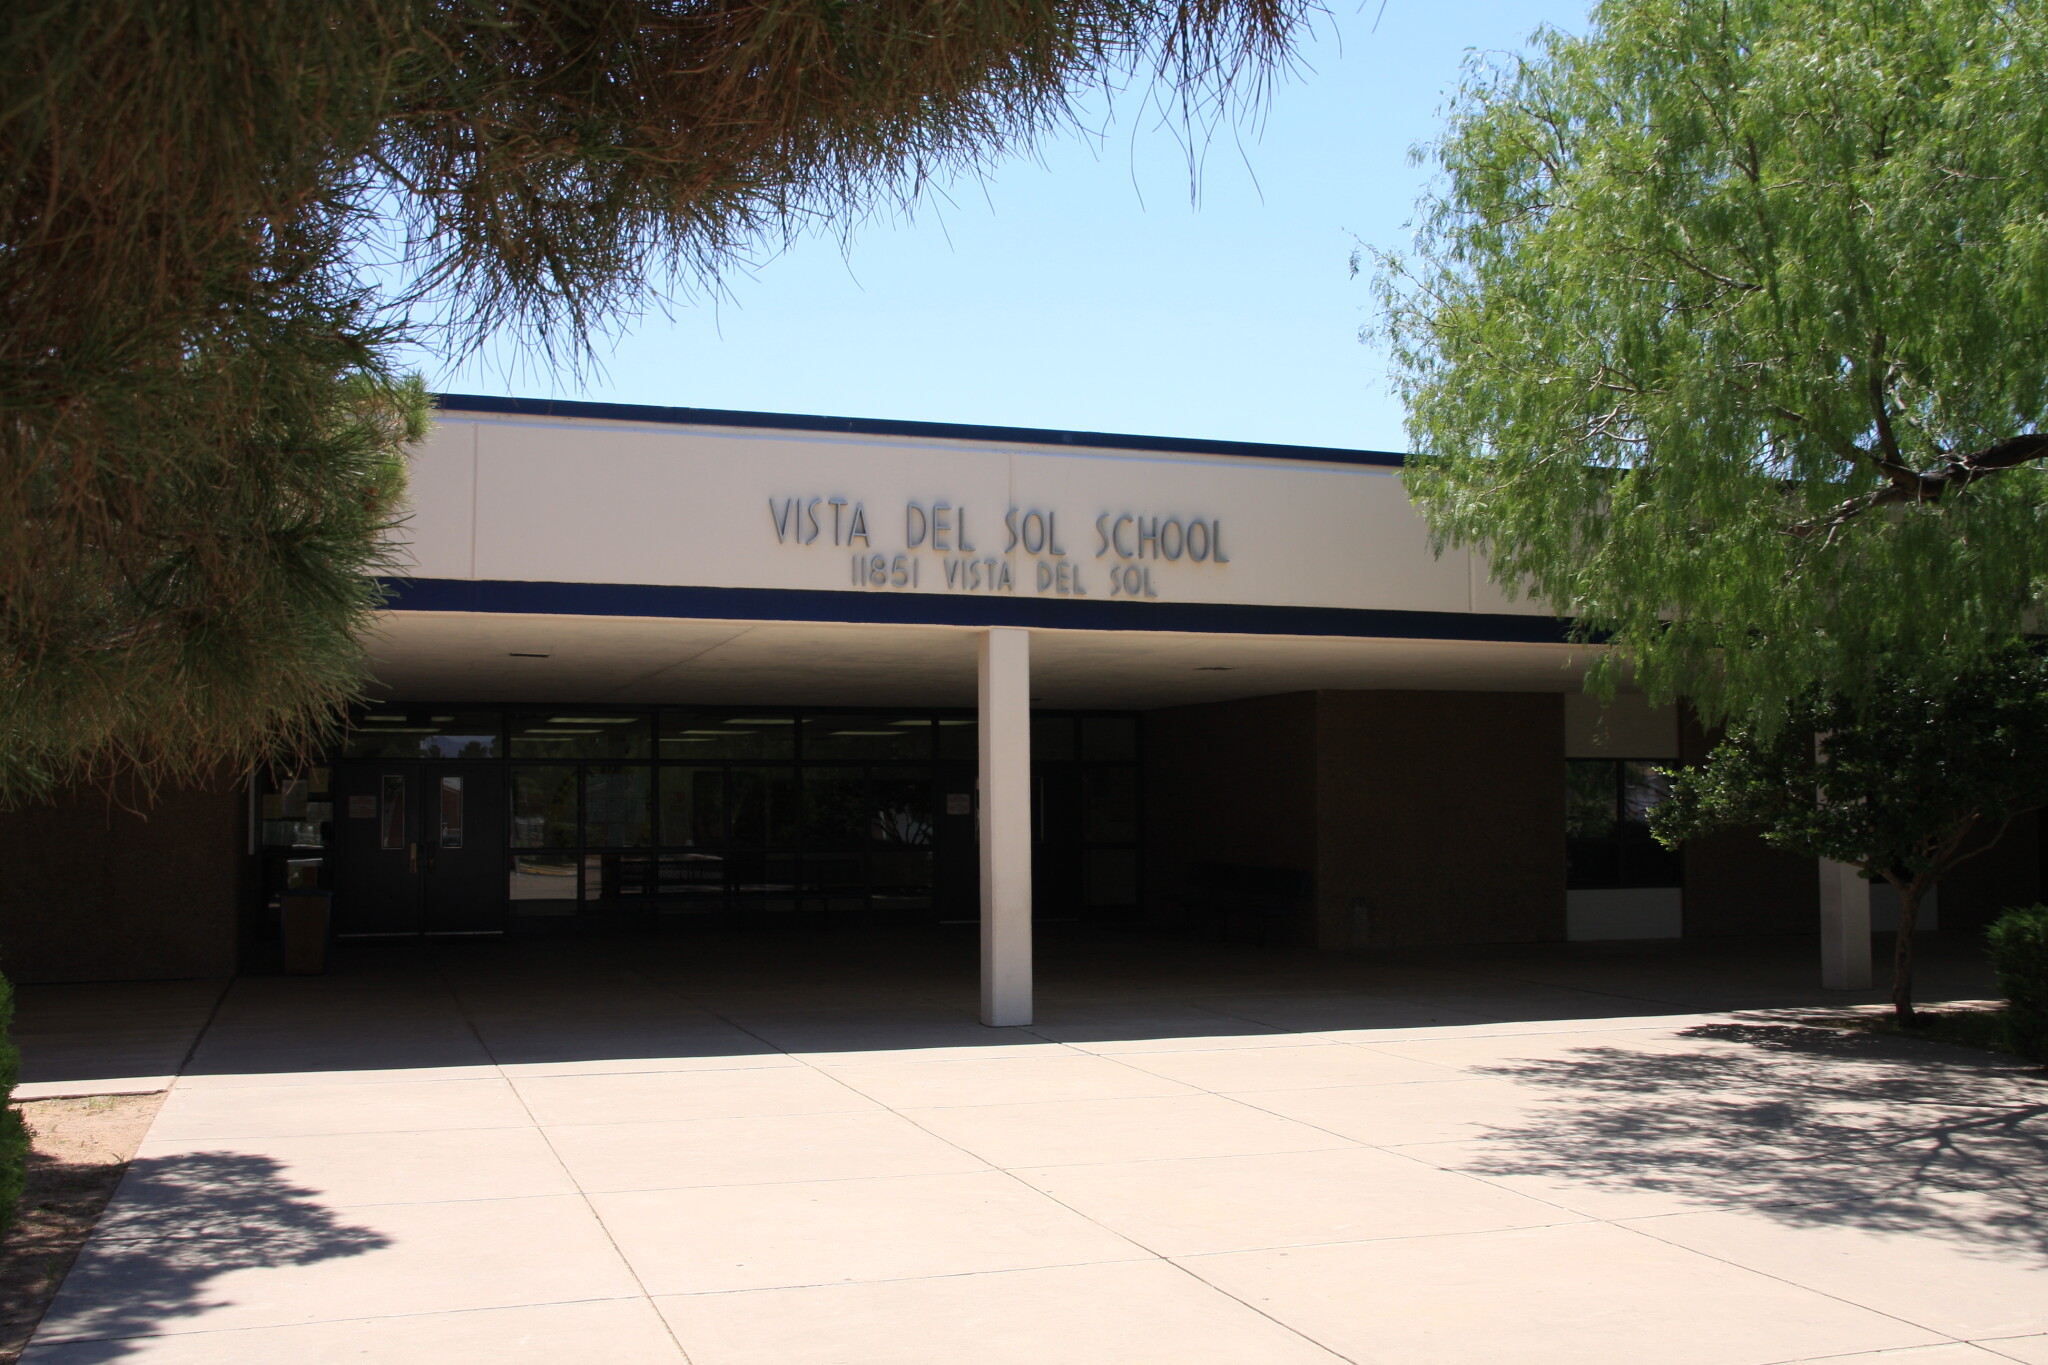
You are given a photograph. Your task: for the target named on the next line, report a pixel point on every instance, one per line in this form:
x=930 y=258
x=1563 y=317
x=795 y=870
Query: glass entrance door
x=420 y=849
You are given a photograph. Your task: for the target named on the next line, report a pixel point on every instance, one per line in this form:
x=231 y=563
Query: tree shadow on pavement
x=176 y=1223
x=1809 y=1126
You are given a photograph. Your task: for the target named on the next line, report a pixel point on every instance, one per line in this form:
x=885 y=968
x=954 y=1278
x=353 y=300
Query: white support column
x=1844 y=927
x=1005 y=826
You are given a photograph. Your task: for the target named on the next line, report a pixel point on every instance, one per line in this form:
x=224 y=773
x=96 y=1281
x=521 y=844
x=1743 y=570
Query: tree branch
x=1908 y=485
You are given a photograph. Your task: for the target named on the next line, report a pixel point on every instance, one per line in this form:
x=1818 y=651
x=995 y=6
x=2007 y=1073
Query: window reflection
x=694 y=736
x=829 y=737
x=544 y=807
x=422 y=734
x=580 y=734
x=543 y=877
x=900 y=807
x=617 y=808
x=763 y=807
x=835 y=807
x=1608 y=843
x=693 y=807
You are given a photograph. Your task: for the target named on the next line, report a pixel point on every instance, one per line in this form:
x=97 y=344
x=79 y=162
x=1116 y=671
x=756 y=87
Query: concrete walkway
x=766 y=1152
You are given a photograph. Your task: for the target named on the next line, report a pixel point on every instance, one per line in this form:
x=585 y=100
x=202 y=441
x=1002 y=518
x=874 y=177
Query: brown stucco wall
x=1228 y=782
x=1440 y=817
x=96 y=893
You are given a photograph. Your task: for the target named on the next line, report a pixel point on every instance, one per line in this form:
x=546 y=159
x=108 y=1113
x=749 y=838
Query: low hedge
x=2019 y=953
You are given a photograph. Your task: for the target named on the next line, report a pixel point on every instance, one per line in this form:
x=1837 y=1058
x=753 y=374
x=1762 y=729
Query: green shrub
x=2019 y=951
x=13 y=1136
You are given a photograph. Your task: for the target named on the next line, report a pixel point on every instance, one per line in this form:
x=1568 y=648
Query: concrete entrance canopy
x=637 y=556
x=519 y=657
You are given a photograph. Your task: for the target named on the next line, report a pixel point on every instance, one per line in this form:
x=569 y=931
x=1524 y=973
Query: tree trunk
x=1902 y=951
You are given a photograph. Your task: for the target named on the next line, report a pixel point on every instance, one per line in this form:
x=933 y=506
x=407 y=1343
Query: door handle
x=412 y=857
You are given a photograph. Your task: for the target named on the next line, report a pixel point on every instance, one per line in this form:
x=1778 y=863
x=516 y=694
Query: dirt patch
x=80 y=1148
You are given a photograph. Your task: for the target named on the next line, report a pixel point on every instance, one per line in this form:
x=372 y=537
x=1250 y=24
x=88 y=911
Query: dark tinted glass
x=868 y=737
x=581 y=734
x=693 y=807
x=901 y=810
x=697 y=734
x=763 y=807
x=389 y=733
x=1591 y=798
x=543 y=877
x=901 y=877
x=617 y=809
x=544 y=807
x=835 y=807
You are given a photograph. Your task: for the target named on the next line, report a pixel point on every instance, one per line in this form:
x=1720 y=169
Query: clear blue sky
x=1083 y=290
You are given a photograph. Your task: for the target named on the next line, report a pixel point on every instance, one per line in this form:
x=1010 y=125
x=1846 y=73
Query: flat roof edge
x=875 y=426
x=814 y=606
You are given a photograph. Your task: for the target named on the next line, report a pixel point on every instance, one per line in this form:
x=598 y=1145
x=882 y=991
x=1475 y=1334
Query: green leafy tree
x=219 y=217
x=1725 y=331
x=1904 y=783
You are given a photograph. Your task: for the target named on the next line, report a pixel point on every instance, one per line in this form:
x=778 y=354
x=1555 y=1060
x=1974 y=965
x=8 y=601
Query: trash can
x=304 y=916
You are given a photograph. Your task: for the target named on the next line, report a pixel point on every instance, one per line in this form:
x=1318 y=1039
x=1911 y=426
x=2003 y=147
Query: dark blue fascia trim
x=874 y=426
x=958 y=609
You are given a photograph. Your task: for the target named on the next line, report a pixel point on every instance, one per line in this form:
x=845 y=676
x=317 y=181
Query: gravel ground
x=81 y=1147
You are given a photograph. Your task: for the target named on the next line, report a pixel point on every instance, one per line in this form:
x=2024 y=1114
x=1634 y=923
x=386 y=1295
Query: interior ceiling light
x=1216 y=668
x=530 y=654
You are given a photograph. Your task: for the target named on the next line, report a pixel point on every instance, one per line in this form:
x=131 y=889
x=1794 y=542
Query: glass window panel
x=692 y=874
x=631 y=876
x=1591 y=805
x=391 y=830
x=757 y=874
x=901 y=878
x=1109 y=805
x=593 y=876
x=543 y=877
x=959 y=737
x=451 y=812
x=1109 y=739
x=880 y=736
x=901 y=811
x=1643 y=789
x=544 y=807
x=1052 y=739
x=422 y=734
x=763 y=804
x=836 y=813
x=841 y=875
x=618 y=806
x=693 y=807
x=1112 y=877
x=581 y=734
x=691 y=735
x=1644 y=861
